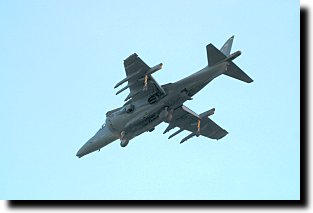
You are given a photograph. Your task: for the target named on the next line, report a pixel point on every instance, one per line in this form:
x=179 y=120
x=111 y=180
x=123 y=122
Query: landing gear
x=167 y=114
x=124 y=140
x=170 y=115
x=122 y=134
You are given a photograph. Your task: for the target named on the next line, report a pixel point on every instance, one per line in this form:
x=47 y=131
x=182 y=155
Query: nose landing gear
x=124 y=140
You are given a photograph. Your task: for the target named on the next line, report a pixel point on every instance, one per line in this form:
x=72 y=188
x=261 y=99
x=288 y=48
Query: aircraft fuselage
x=137 y=117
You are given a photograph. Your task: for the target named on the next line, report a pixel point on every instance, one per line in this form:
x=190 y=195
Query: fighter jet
x=148 y=104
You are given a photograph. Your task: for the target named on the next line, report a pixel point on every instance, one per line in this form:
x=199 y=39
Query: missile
x=188 y=137
x=130 y=95
x=154 y=69
x=124 y=88
x=207 y=113
x=186 y=109
x=151 y=71
x=175 y=133
x=168 y=128
x=121 y=90
x=127 y=78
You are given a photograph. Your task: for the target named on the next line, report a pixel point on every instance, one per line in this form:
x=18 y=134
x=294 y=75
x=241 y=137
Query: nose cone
x=102 y=138
x=85 y=149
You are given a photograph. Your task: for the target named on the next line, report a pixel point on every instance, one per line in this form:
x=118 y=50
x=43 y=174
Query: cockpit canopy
x=112 y=111
x=128 y=108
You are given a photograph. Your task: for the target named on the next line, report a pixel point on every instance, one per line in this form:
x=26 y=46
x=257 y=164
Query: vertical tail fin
x=226 y=48
x=214 y=55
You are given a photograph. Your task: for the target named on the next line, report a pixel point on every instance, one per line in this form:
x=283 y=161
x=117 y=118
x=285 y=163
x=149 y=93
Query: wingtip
x=250 y=81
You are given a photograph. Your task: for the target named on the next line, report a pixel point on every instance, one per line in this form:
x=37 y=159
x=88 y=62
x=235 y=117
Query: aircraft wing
x=139 y=79
x=186 y=119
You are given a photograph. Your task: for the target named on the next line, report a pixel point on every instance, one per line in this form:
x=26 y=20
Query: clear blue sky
x=60 y=60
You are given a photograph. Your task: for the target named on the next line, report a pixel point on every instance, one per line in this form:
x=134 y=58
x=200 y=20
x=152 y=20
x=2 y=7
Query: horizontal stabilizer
x=235 y=72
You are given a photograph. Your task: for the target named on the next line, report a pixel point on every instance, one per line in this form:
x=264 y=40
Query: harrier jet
x=148 y=104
